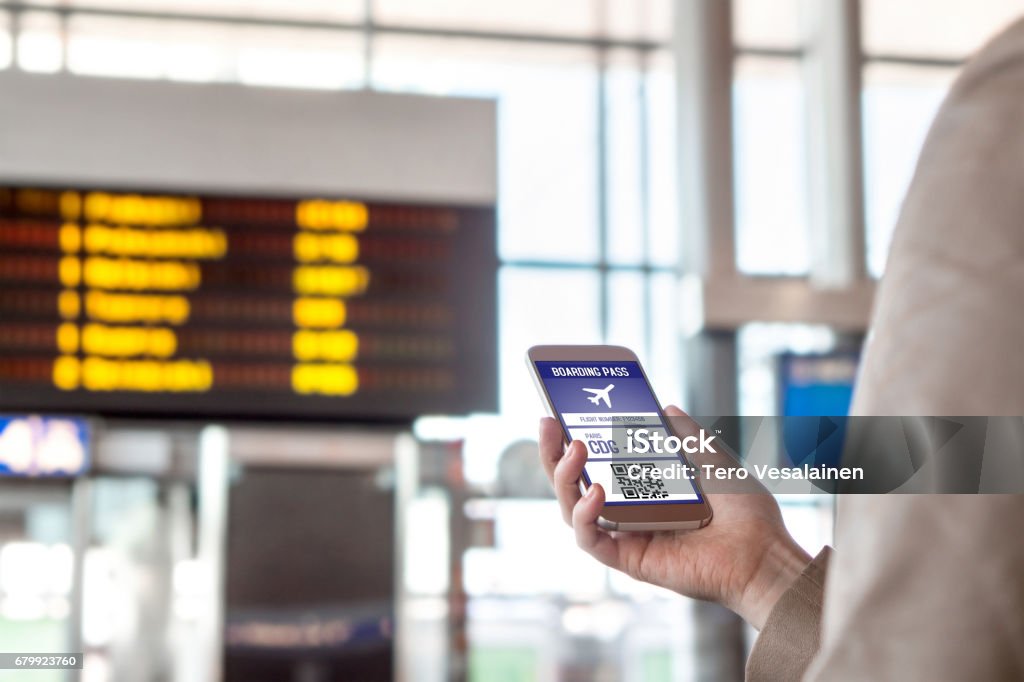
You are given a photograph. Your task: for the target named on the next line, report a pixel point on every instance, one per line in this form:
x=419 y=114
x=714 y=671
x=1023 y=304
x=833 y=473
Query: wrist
x=781 y=564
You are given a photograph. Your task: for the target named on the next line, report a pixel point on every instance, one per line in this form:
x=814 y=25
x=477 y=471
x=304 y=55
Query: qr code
x=641 y=485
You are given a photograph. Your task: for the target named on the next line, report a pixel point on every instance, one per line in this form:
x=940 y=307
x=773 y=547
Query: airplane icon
x=601 y=394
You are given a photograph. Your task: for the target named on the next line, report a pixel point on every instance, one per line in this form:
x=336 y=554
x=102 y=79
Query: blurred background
x=711 y=183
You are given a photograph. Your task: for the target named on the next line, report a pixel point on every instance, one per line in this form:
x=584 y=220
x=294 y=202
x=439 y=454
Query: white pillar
x=703 y=57
x=832 y=68
x=213 y=480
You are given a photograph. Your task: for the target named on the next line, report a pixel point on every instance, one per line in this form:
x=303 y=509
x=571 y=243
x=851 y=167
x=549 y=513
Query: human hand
x=744 y=559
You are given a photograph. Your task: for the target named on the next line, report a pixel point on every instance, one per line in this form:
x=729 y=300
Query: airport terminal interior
x=268 y=272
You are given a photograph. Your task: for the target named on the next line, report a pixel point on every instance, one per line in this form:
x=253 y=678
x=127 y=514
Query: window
x=624 y=107
x=770 y=165
x=662 y=213
x=899 y=105
x=547 y=127
x=912 y=58
x=766 y=24
x=38 y=44
x=540 y=305
x=945 y=29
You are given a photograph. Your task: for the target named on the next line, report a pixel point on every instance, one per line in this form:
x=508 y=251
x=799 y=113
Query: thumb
x=680 y=421
x=673 y=411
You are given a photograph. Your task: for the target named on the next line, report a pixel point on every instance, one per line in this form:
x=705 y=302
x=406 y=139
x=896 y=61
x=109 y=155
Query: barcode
x=640 y=485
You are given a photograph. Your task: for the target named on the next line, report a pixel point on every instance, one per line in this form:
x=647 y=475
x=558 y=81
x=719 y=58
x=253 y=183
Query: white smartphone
x=601 y=396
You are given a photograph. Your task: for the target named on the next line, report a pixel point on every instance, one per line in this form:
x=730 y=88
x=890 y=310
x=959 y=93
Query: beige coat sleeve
x=931 y=587
x=925 y=586
x=789 y=639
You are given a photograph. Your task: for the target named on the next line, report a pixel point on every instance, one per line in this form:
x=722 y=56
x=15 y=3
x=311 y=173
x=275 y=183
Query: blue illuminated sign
x=37 y=446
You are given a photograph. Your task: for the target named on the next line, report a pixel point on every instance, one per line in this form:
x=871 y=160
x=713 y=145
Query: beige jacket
x=932 y=587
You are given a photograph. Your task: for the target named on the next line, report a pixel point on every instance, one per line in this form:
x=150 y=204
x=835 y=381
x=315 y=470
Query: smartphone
x=601 y=396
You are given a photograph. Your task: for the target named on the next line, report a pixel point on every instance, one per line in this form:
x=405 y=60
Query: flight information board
x=133 y=302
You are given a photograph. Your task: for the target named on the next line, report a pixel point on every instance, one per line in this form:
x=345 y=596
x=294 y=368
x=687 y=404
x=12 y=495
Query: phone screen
x=606 y=405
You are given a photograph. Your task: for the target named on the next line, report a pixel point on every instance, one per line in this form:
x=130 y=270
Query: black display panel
x=127 y=302
x=310 y=585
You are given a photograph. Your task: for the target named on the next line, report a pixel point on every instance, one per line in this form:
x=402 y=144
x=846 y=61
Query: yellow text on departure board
x=330 y=280
x=103 y=374
x=325 y=379
x=128 y=261
x=136 y=209
x=319 y=313
x=321 y=214
x=341 y=345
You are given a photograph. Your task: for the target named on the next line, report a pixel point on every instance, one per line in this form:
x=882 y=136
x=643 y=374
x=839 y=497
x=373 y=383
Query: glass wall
x=912 y=57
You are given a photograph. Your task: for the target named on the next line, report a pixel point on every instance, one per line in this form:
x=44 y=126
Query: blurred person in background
x=923 y=586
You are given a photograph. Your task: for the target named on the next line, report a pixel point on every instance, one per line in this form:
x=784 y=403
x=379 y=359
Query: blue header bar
x=585 y=370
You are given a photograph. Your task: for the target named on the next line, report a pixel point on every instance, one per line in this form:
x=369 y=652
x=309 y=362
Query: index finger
x=721 y=458
x=683 y=424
